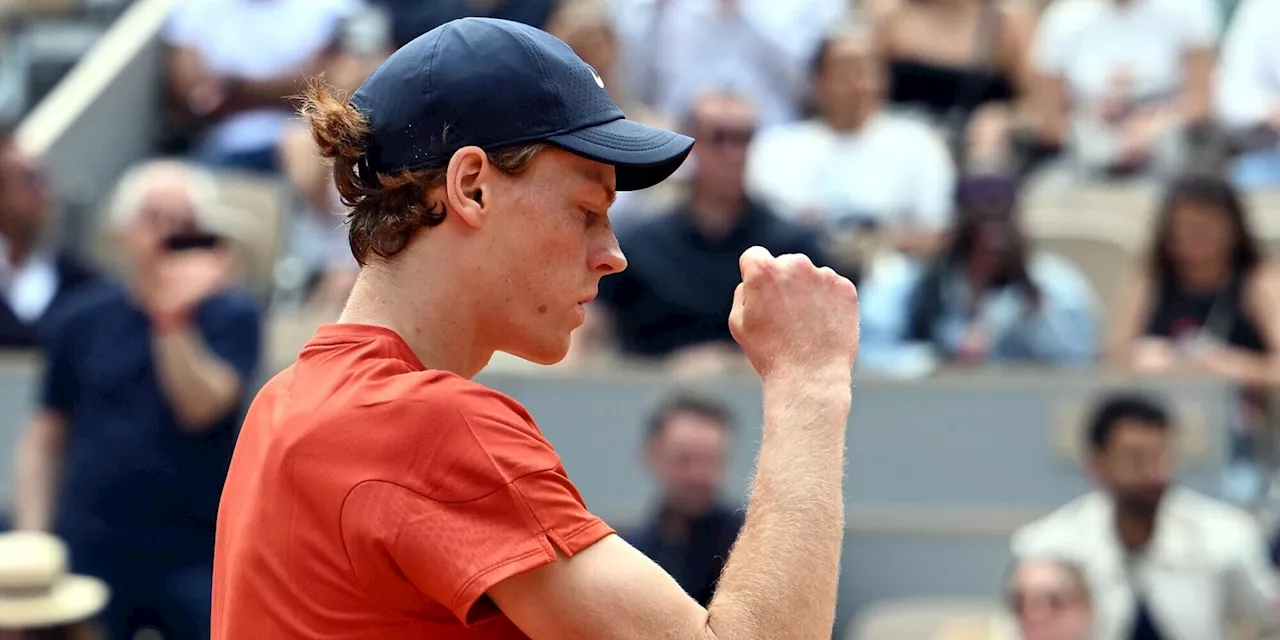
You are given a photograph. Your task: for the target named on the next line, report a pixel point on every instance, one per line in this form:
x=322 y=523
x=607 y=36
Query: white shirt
x=28 y=288
x=669 y=58
x=1206 y=561
x=257 y=39
x=1088 y=41
x=1248 y=87
x=894 y=169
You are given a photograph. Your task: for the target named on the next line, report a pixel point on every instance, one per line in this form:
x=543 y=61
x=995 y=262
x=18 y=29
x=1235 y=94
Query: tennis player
x=377 y=492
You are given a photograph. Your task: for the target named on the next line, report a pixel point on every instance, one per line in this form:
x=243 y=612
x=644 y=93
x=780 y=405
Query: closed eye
x=592 y=217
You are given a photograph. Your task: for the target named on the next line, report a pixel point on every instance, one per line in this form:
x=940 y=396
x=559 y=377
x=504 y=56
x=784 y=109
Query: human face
x=1200 y=235
x=24 y=196
x=553 y=242
x=1135 y=467
x=1048 y=602
x=852 y=77
x=724 y=127
x=688 y=457
x=165 y=209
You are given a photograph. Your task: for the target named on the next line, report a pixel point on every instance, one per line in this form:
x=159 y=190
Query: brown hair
x=385 y=209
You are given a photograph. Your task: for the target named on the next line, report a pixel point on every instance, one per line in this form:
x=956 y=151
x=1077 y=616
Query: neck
x=716 y=213
x=847 y=120
x=441 y=332
x=1135 y=531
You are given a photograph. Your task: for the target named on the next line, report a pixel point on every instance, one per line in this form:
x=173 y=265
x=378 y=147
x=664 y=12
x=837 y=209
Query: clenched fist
x=789 y=315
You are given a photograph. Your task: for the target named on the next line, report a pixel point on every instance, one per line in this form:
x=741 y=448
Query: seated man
x=691 y=530
x=1164 y=562
x=233 y=71
x=672 y=299
x=35 y=278
x=857 y=166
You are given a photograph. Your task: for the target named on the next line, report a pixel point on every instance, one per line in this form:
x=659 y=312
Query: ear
x=464 y=187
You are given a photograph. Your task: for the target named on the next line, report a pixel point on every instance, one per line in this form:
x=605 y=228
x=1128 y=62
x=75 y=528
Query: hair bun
x=339 y=129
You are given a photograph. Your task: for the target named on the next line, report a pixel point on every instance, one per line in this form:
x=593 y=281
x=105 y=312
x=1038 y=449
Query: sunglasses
x=1055 y=601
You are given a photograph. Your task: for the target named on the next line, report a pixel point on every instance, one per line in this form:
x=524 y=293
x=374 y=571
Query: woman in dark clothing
x=1205 y=299
x=969 y=85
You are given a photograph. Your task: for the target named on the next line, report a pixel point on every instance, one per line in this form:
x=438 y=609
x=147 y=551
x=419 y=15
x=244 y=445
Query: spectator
x=1205 y=299
x=1163 y=561
x=988 y=298
x=857 y=166
x=143 y=391
x=674 y=298
x=1248 y=93
x=233 y=70
x=39 y=600
x=36 y=278
x=1120 y=81
x=673 y=52
x=691 y=531
x=412 y=18
x=970 y=85
x=1048 y=599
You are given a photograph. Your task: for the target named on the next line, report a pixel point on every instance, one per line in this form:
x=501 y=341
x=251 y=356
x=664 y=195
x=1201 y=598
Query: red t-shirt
x=370 y=498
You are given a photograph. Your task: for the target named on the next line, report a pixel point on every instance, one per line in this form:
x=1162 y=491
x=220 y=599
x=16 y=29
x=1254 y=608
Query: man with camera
x=142 y=393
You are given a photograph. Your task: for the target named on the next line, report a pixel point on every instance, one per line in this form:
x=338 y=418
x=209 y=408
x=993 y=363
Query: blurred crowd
x=893 y=140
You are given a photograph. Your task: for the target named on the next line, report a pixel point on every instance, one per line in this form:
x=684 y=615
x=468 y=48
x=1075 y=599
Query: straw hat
x=35 y=589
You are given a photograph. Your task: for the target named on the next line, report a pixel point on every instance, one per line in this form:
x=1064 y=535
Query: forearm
x=201 y=388
x=1253 y=369
x=39 y=462
x=780 y=581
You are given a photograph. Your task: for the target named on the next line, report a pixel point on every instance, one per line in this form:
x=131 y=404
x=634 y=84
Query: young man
x=377 y=492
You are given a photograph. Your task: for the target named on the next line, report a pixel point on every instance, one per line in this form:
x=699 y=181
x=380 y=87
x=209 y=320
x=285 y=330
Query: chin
x=545 y=353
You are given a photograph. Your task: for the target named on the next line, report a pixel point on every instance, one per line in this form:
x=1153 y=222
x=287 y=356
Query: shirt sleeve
x=501 y=504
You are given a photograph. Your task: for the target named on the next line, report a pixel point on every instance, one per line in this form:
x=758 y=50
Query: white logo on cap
x=599 y=80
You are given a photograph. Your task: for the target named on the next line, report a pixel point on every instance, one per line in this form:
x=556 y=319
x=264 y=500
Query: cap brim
x=642 y=156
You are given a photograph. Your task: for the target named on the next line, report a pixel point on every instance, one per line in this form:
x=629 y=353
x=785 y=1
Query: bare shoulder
x=607 y=590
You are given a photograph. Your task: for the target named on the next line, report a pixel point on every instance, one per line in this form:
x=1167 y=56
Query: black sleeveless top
x=1179 y=314
x=945 y=91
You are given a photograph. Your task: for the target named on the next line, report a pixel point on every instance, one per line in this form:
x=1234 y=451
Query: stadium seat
x=1103 y=260
x=917 y=618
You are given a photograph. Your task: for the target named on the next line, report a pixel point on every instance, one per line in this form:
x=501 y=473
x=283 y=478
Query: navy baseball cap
x=496 y=83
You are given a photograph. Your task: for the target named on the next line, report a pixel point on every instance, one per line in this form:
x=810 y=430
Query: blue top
x=1062 y=330
x=135 y=486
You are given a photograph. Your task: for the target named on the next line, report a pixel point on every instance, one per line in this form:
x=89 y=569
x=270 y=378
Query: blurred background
x=1044 y=202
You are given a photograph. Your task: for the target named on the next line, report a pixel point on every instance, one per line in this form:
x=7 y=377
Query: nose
x=608 y=258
